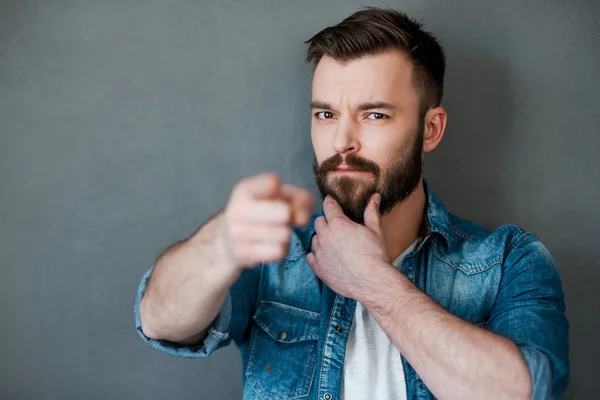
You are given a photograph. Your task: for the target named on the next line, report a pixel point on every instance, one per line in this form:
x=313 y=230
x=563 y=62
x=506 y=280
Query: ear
x=435 y=126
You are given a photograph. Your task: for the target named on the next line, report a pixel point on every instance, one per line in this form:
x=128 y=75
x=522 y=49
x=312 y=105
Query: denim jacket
x=291 y=329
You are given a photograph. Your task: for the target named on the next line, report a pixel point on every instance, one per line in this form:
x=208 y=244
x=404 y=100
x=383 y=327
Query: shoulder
x=473 y=248
x=504 y=237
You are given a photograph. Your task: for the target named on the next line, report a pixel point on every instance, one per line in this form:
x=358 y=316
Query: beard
x=394 y=184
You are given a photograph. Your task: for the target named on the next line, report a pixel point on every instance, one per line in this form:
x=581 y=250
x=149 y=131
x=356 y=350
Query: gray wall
x=124 y=125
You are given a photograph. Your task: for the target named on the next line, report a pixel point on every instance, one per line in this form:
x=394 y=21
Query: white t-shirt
x=373 y=367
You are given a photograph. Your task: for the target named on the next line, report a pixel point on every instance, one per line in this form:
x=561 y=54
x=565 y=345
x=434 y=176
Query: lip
x=347 y=170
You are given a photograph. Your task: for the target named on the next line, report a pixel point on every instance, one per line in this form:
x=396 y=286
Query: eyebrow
x=320 y=105
x=363 y=106
x=377 y=104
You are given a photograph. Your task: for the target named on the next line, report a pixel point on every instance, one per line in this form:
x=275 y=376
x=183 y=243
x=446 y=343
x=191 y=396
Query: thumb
x=371 y=215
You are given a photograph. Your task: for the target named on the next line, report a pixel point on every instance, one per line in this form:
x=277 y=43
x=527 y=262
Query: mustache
x=352 y=161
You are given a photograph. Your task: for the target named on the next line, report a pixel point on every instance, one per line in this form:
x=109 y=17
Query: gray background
x=125 y=124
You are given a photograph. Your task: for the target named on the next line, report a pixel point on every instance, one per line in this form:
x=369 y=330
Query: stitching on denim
x=522 y=235
x=252 y=354
x=464 y=234
x=295 y=339
x=293 y=257
x=335 y=303
x=477 y=267
x=291 y=310
x=295 y=252
x=220 y=336
x=313 y=367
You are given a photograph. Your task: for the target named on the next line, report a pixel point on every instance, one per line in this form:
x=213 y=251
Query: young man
x=383 y=295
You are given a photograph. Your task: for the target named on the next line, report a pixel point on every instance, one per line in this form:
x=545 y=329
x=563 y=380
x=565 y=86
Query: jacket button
x=283 y=336
x=327 y=396
x=339 y=329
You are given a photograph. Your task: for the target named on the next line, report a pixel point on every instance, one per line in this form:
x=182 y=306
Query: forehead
x=382 y=77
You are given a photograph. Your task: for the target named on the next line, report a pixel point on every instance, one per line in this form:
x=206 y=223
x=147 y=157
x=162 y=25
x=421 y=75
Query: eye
x=324 y=115
x=377 y=116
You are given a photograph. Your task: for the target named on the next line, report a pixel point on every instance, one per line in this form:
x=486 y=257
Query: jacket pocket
x=282 y=360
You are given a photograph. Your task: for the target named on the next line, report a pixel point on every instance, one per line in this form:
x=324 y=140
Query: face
x=366 y=131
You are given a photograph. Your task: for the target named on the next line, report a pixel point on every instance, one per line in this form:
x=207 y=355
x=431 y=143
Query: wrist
x=210 y=245
x=380 y=286
x=223 y=256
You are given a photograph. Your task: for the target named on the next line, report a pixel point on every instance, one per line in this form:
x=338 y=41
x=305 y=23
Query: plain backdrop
x=125 y=124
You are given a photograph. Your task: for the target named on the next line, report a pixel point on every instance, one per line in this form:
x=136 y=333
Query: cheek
x=378 y=150
x=321 y=141
x=386 y=143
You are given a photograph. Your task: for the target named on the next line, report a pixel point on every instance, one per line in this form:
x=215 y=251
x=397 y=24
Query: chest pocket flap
x=287 y=324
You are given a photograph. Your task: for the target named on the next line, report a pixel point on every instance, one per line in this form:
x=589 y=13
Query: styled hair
x=375 y=30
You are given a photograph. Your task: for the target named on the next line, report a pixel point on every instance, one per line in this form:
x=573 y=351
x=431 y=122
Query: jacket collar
x=438 y=219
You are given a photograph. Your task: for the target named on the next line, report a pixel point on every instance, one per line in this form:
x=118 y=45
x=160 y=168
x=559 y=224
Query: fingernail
x=377 y=198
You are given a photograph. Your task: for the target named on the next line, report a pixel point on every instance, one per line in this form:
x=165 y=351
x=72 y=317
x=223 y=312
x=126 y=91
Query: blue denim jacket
x=291 y=329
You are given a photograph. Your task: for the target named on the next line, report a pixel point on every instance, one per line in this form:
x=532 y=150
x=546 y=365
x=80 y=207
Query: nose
x=345 y=140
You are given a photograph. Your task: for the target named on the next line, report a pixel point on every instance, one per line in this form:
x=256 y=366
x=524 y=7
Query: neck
x=405 y=223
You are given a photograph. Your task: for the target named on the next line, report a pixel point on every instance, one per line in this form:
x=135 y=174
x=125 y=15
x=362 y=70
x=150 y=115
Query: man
x=383 y=295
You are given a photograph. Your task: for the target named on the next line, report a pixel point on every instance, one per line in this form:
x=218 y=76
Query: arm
x=524 y=354
x=188 y=287
x=188 y=296
x=455 y=359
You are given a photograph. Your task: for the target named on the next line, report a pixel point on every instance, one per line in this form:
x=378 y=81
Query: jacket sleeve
x=230 y=324
x=530 y=310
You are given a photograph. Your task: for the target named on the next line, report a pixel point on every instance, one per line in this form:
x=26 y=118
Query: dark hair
x=374 y=30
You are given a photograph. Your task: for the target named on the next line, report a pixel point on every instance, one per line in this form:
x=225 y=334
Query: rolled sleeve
x=530 y=310
x=230 y=323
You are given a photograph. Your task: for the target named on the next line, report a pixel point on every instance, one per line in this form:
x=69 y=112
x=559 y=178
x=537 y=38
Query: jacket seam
x=299 y=312
x=464 y=234
x=517 y=240
x=478 y=268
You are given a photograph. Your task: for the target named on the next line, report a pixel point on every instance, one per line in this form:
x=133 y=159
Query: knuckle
x=338 y=222
x=239 y=188
x=239 y=209
x=315 y=241
x=233 y=210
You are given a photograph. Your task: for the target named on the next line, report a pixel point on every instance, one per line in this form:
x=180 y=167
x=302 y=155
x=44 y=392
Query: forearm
x=187 y=288
x=455 y=359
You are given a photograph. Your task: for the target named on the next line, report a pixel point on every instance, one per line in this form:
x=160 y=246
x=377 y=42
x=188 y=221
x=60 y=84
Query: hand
x=347 y=255
x=257 y=223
